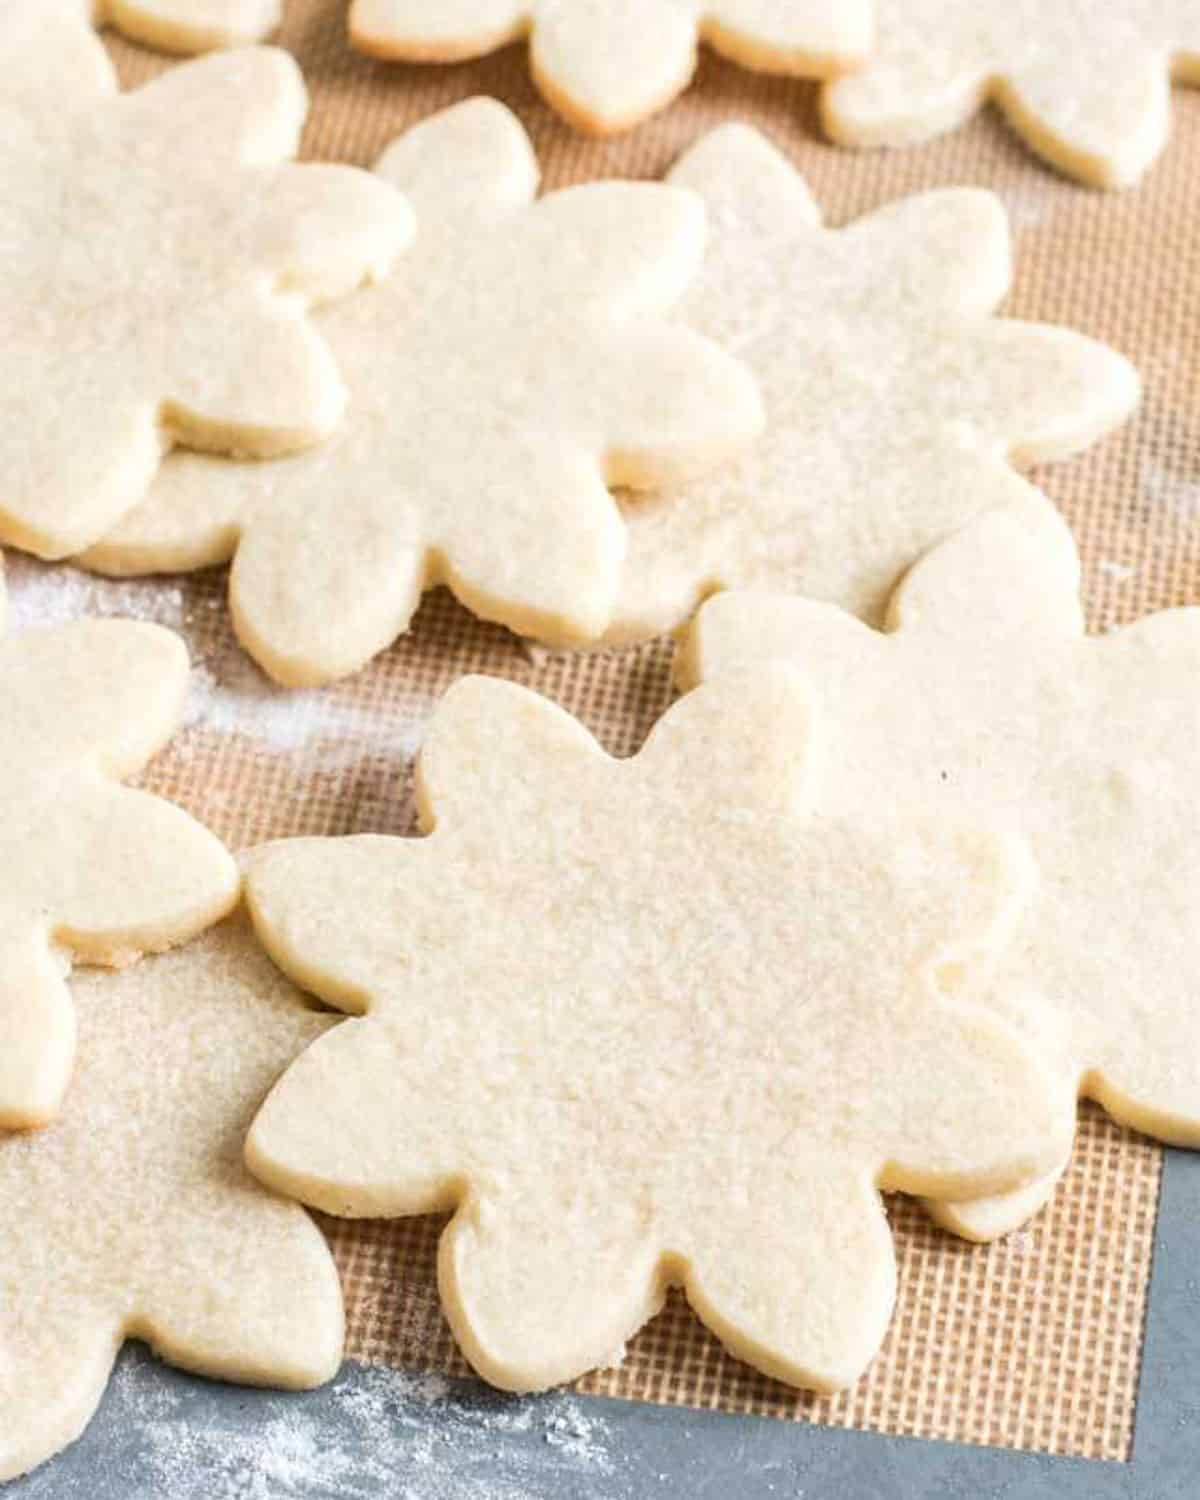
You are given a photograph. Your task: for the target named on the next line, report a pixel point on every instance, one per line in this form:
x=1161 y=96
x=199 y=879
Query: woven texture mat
x=1033 y=1343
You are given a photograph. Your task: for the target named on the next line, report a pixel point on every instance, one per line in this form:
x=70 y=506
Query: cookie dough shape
x=158 y=256
x=92 y=870
x=896 y=400
x=516 y=365
x=191 y=25
x=134 y=1215
x=643 y=1023
x=985 y=700
x=1087 y=85
x=605 y=65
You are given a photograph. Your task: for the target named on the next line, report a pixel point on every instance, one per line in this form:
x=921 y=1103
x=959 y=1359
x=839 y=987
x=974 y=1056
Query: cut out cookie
x=158 y=255
x=895 y=400
x=92 y=870
x=1087 y=85
x=515 y=366
x=643 y=1023
x=191 y=25
x=985 y=700
x=605 y=65
x=134 y=1216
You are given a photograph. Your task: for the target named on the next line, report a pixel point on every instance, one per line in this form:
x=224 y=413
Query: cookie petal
x=487 y=735
x=550 y=564
x=192 y=517
x=325 y=230
x=287 y=891
x=104 y=693
x=1096 y=390
x=267 y=1312
x=128 y=873
x=37 y=1023
x=983 y=1220
x=800 y=1284
x=1010 y=1127
x=947 y=252
x=940 y=596
x=903 y=100
x=1103 y=119
x=288 y=583
x=456 y=29
x=78 y=447
x=744 y=180
x=766 y=754
x=193 y=25
x=247 y=107
x=644 y=269
x=250 y=375
x=51 y=53
x=581 y=59
x=55 y=1360
x=811 y=39
x=538 y=1291
x=312 y=1140
x=473 y=152
x=674 y=407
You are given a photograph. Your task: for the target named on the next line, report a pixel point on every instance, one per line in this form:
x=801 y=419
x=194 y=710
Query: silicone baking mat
x=1034 y=1343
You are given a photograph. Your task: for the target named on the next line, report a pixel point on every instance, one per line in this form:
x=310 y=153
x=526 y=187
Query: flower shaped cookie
x=896 y=401
x=92 y=870
x=607 y=64
x=157 y=258
x=1087 y=84
x=191 y=25
x=514 y=366
x=985 y=700
x=134 y=1216
x=644 y=1023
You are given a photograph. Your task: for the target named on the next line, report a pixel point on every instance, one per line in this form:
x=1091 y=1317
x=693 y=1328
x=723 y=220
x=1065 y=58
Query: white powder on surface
x=244 y=702
x=1029 y=206
x=1118 y=572
x=53 y=593
x=1174 y=492
x=239 y=699
x=377 y=1432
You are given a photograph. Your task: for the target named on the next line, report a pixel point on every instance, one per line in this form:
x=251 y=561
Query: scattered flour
x=1029 y=207
x=244 y=702
x=52 y=593
x=239 y=700
x=376 y=1432
x=1174 y=493
x=1118 y=572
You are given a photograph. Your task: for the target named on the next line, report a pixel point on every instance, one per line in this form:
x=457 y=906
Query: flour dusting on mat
x=50 y=594
x=234 y=699
x=375 y=1432
x=1031 y=205
x=1174 y=492
x=242 y=701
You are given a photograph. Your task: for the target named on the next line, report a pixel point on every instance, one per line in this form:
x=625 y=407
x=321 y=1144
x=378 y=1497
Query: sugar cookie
x=1086 y=84
x=896 y=400
x=644 y=1023
x=158 y=255
x=986 y=700
x=514 y=366
x=605 y=65
x=134 y=1216
x=92 y=870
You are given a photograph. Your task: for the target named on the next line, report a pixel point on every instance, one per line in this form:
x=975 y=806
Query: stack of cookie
x=671 y=1021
